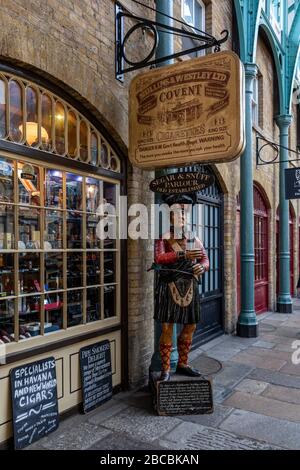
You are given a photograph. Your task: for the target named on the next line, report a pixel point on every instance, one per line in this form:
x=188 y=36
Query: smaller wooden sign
x=184 y=397
x=181 y=183
x=34 y=401
x=96 y=375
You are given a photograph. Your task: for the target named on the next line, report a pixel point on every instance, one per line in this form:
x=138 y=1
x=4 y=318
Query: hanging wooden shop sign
x=189 y=112
x=181 y=183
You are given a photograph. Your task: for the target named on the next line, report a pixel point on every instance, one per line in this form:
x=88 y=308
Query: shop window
x=16 y=111
x=37 y=118
x=55 y=272
x=3 y=122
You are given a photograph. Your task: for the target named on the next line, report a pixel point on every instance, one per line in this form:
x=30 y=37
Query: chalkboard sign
x=96 y=375
x=184 y=397
x=34 y=401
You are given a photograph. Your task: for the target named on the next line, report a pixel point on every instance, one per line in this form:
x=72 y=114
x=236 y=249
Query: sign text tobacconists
x=188 y=112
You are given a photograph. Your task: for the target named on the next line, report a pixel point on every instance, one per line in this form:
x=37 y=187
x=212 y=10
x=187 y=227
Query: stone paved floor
x=256 y=395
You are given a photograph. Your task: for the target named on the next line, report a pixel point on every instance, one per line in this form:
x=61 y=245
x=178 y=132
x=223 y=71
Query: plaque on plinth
x=182 y=395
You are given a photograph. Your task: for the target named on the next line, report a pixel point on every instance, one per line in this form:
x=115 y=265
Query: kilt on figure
x=177 y=299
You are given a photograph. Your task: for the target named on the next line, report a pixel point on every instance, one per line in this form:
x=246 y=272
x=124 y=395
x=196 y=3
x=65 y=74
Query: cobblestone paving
x=256 y=396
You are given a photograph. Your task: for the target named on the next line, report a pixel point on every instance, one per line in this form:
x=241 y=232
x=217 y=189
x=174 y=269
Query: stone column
x=247 y=326
x=284 y=301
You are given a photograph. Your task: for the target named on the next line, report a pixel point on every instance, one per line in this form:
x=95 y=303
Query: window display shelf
x=52 y=261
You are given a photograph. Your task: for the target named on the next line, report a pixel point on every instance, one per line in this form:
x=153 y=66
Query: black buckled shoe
x=164 y=376
x=188 y=371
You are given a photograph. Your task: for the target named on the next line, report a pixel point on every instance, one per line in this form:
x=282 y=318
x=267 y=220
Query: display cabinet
x=56 y=270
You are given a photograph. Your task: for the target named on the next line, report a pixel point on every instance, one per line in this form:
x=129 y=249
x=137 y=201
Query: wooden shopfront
x=60 y=284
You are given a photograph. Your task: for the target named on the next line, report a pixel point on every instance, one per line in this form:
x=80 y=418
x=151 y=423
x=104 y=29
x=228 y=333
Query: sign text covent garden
x=189 y=112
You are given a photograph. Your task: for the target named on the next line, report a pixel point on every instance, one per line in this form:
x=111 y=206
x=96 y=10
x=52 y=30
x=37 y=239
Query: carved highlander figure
x=177 y=292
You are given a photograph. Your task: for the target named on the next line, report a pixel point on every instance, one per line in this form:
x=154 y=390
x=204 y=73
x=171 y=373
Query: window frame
x=193 y=25
x=190 y=27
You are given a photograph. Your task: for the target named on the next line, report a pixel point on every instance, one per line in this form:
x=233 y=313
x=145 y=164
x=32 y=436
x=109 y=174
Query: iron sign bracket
x=207 y=41
x=269 y=143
